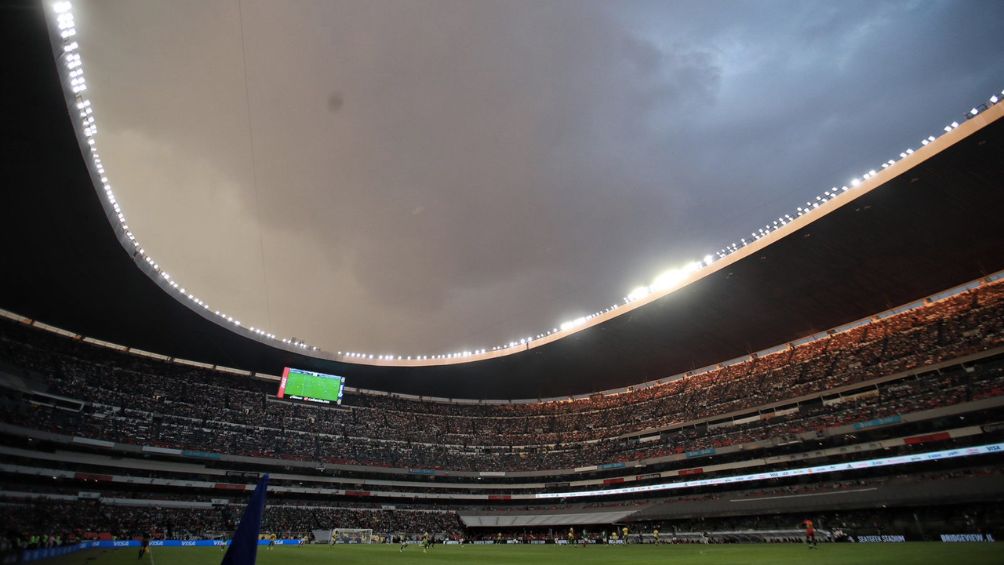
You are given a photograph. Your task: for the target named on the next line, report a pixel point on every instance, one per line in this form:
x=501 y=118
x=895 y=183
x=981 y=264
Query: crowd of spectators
x=946 y=387
x=925 y=523
x=131 y=399
x=71 y=521
x=44 y=523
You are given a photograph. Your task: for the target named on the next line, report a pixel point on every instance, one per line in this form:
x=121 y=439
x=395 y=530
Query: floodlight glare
x=667 y=279
x=573 y=323
x=638 y=293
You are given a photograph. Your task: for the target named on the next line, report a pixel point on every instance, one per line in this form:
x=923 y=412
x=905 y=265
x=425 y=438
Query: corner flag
x=244 y=545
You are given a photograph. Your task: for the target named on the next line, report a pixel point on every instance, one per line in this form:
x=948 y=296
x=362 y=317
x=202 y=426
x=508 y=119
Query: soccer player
x=426 y=542
x=144 y=546
x=571 y=536
x=404 y=543
x=624 y=530
x=655 y=534
x=810 y=534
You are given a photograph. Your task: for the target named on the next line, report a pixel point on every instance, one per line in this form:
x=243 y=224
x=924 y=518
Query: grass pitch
x=913 y=553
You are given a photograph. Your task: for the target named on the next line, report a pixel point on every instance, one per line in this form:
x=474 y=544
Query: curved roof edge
x=929 y=225
x=85 y=129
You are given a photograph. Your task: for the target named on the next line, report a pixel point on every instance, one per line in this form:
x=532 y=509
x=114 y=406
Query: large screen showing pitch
x=308 y=385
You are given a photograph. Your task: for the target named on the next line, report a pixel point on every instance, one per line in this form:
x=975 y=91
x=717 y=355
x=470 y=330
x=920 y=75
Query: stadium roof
x=934 y=224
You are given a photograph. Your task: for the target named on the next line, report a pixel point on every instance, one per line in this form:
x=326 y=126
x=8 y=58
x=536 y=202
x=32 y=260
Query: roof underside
x=933 y=227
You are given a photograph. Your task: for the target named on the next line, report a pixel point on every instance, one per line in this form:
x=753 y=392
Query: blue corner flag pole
x=244 y=545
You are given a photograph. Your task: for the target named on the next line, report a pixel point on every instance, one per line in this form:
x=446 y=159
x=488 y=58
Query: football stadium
x=827 y=388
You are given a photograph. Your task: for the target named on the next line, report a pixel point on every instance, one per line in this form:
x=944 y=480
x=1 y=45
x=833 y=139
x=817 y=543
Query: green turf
x=913 y=553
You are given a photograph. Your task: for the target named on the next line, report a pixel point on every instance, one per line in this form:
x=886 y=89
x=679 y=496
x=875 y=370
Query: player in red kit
x=810 y=534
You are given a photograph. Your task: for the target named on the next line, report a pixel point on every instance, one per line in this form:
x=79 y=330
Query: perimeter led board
x=990 y=448
x=298 y=384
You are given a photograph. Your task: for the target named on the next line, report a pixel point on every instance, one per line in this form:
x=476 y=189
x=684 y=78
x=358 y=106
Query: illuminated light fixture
x=994 y=99
x=638 y=293
x=565 y=326
x=673 y=277
x=855 y=182
x=708 y=259
x=974 y=111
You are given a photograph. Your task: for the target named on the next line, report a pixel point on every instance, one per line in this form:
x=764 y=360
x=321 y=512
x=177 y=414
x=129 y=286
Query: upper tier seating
x=140 y=400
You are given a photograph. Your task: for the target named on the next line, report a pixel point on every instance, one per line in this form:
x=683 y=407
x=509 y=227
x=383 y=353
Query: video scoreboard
x=299 y=384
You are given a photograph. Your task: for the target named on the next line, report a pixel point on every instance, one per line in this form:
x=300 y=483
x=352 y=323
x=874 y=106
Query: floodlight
x=638 y=293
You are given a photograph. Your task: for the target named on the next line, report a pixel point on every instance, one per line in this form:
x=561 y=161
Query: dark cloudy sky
x=412 y=177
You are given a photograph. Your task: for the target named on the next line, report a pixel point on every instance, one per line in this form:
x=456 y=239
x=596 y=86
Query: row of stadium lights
x=664 y=281
x=78 y=85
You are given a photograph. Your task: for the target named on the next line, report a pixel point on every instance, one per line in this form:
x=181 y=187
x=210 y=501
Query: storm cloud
x=421 y=177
